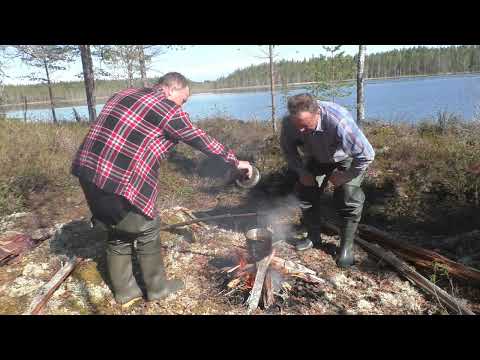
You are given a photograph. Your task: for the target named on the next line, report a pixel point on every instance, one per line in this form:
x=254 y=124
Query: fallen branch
x=449 y=301
x=254 y=297
x=419 y=256
x=46 y=291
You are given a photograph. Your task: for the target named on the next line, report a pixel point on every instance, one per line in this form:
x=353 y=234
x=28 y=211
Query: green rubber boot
x=119 y=263
x=347 y=236
x=158 y=287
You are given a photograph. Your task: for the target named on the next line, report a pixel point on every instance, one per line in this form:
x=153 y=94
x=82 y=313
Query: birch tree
x=360 y=79
x=89 y=79
x=49 y=58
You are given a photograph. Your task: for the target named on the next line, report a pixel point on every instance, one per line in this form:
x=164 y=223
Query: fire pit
x=258 y=276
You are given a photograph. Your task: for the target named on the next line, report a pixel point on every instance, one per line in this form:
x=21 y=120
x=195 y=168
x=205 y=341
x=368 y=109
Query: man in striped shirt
x=118 y=166
x=335 y=149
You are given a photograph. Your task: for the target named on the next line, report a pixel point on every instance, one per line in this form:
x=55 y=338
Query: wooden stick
x=254 y=297
x=47 y=290
x=194 y=221
x=451 y=302
x=190 y=214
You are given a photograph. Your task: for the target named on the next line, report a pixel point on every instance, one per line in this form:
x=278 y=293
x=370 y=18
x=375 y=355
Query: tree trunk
x=272 y=87
x=143 y=69
x=50 y=92
x=360 y=78
x=25 y=108
x=89 y=81
x=130 y=74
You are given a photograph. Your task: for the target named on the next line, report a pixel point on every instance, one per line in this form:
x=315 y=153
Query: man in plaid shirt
x=118 y=164
x=337 y=151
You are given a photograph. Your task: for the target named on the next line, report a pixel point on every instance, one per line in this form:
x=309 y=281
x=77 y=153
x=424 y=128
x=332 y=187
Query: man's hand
x=245 y=167
x=336 y=178
x=307 y=180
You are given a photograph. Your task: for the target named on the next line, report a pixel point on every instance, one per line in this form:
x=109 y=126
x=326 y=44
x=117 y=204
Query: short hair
x=302 y=102
x=173 y=78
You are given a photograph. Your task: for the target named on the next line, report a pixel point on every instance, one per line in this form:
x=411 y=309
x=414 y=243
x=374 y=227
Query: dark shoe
x=303 y=245
x=125 y=288
x=345 y=257
x=315 y=237
x=158 y=287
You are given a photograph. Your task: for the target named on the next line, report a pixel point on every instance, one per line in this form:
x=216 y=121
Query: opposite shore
x=66 y=102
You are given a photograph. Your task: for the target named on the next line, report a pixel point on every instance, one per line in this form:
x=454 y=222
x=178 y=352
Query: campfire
x=264 y=278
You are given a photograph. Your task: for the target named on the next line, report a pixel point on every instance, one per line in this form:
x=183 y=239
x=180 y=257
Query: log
x=297 y=270
x=256 y=292
x=47 y=290
x=291 y=266
x=419 y=256
x=410 y=274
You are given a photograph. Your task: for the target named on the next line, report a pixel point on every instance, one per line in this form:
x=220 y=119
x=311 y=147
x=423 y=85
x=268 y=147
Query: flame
x=250 y=280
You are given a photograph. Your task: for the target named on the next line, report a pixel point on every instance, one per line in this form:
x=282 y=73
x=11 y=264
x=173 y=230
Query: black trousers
x=126 y=225
x=348 y=199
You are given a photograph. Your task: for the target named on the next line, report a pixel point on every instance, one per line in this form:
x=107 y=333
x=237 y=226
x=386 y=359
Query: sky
x=202 y=62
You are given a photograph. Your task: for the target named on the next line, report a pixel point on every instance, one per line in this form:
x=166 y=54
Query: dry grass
x=425 y=165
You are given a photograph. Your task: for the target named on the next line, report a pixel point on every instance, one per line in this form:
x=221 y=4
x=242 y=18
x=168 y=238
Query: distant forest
x=405 y=62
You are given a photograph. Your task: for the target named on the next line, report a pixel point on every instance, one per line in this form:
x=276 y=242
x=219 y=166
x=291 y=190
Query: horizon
x=199 y=63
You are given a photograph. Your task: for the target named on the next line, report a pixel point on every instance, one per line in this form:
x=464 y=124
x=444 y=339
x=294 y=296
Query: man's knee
x=349 y=200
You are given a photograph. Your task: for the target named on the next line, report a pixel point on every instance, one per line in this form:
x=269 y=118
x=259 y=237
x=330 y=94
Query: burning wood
x=262 y=267
x=264 y=275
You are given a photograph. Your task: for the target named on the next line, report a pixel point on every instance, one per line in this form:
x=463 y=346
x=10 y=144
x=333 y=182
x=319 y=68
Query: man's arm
x=355 y=144
x=180 y=128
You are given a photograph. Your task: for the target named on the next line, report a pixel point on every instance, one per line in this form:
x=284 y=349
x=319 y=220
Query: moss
x=13 y=306
x=71 y=305
x=88 y=273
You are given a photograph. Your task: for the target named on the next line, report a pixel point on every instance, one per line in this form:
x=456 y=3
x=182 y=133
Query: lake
x=403 y=100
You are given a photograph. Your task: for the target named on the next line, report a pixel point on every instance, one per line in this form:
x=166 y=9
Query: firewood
x=254 y=297
x=297 y=270
x=268 y=298
x=46 y=291
x=291 y=266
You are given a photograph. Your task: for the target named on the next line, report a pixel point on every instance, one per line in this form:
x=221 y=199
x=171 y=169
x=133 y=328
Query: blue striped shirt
x=336 y=138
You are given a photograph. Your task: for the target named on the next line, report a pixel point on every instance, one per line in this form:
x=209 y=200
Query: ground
x=370 y=287
x=46 y=199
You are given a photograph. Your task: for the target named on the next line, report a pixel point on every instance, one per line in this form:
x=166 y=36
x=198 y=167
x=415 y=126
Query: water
x=405 y=100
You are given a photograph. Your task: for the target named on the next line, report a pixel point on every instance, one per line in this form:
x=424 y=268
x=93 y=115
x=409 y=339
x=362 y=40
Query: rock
x=42 y=234
x=364 y=305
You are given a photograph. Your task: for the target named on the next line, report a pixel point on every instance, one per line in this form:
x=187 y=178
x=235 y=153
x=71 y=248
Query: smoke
x=278 y=217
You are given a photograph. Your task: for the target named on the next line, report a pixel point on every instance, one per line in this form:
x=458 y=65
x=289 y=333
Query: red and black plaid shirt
x=135 y=130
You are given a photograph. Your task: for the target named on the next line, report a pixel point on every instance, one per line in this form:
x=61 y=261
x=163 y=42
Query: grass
x=418 y=179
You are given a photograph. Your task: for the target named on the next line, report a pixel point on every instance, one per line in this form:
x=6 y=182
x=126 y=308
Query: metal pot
x=259 y=243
